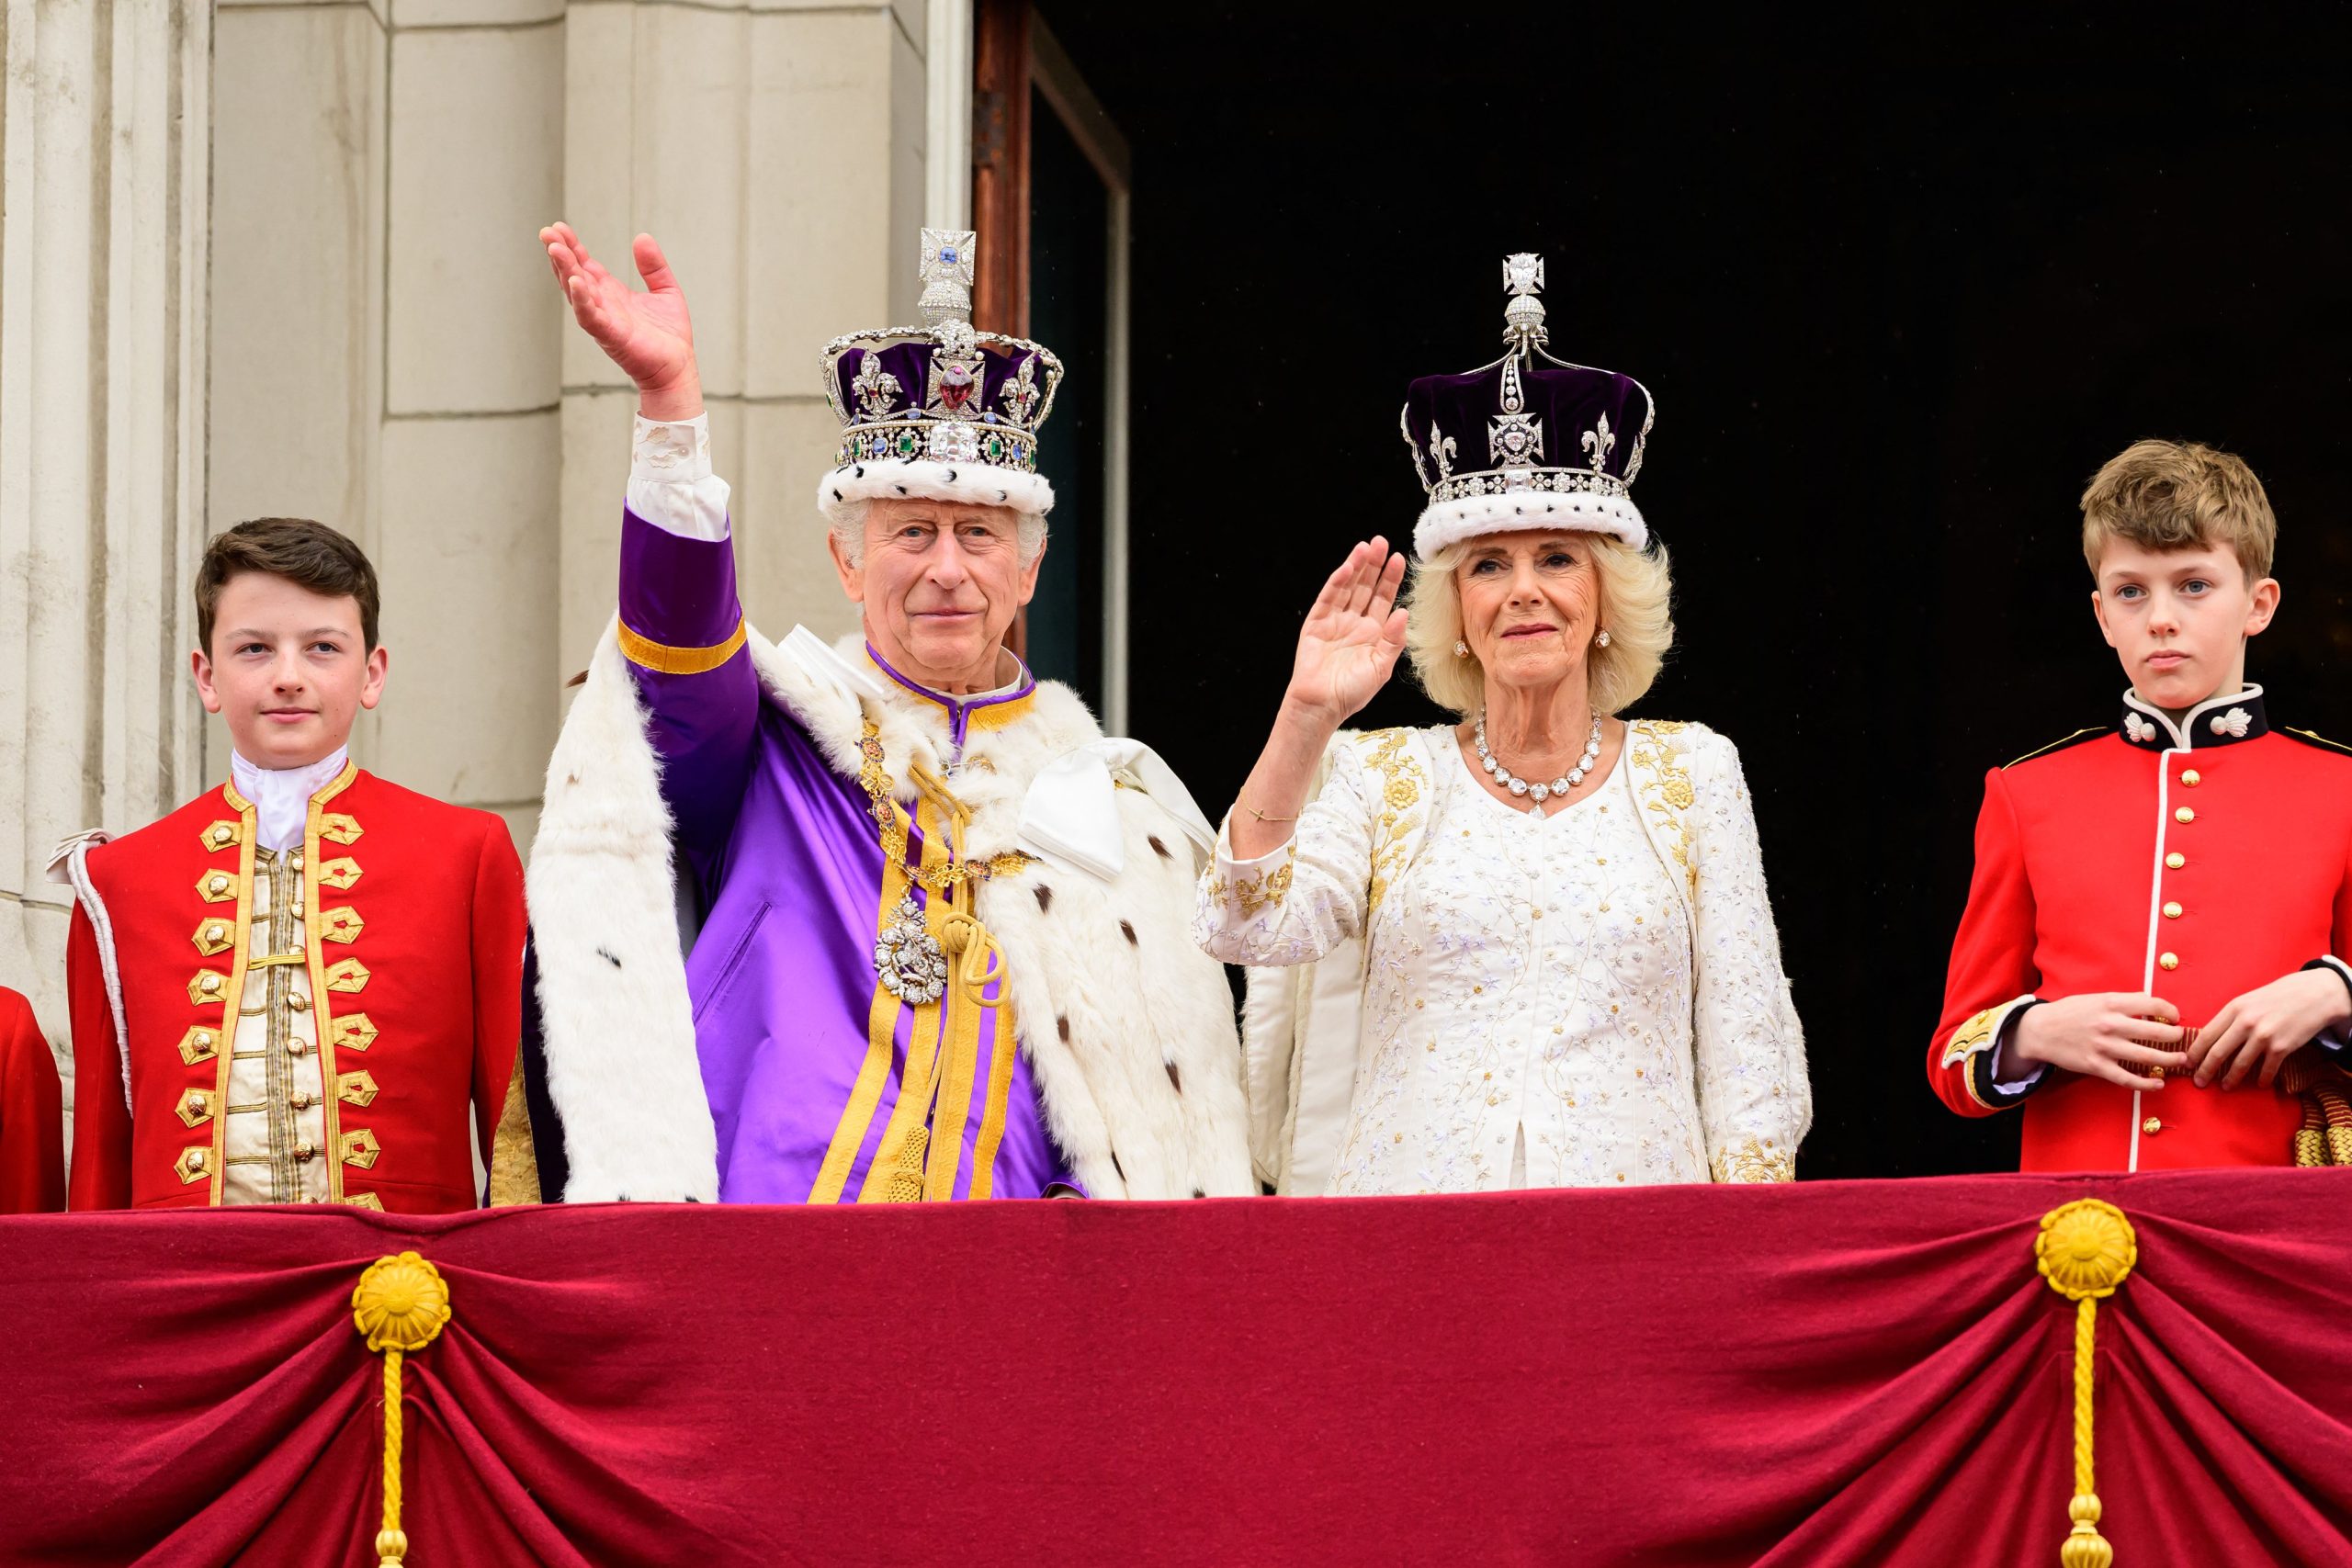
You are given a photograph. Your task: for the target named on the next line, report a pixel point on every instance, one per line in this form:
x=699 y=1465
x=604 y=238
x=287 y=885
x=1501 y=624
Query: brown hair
x=309 y=555
x=2177 y=495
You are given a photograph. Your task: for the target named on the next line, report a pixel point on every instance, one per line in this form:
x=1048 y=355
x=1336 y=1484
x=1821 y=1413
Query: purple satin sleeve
x=680 y=593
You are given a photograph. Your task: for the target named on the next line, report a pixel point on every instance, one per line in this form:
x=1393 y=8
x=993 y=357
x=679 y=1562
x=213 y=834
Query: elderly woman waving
x=1531 y=949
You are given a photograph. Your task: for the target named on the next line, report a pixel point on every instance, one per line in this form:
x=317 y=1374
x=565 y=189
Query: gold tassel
x=2084 y=1249
x=401 y=1305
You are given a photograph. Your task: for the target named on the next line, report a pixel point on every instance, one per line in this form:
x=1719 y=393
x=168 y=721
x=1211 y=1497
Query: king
x=883 y=920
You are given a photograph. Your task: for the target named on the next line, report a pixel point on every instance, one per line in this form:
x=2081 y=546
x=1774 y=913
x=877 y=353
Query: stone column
x=389 y=356
x=103 y=156
x=777 y=150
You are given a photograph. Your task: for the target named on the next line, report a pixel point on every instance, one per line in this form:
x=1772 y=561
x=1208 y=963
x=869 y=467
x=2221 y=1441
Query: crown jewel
x=1554 y=436
x=941 y=392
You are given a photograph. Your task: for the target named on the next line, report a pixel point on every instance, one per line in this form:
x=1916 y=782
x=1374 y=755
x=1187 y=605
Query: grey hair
x=849 y=530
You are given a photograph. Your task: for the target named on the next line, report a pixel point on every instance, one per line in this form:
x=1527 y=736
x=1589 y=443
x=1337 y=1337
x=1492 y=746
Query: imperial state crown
x=940 y=412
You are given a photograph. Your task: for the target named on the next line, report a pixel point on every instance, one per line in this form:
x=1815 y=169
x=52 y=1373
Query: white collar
x=281 y=796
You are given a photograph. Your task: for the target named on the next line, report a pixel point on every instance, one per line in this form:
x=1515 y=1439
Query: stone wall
x=102 y=456
x=304 y=281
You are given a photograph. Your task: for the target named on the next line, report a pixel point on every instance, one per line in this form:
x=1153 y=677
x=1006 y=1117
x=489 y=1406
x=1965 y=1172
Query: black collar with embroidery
x=2217 y=721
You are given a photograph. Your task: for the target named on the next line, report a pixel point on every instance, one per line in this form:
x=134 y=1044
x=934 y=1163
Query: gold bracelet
x=1263 y=817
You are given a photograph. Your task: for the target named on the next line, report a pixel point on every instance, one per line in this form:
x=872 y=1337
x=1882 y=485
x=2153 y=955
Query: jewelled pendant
x=908 y=959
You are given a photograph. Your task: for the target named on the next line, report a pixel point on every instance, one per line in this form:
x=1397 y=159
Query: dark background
x=1898 y=286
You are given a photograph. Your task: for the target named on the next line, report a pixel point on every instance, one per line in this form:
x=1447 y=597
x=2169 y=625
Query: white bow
x=816 y=657
x=1071 y=812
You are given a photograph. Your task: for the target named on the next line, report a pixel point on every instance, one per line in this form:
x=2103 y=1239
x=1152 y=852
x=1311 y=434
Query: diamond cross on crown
x=1523 y=316
x=947 y=272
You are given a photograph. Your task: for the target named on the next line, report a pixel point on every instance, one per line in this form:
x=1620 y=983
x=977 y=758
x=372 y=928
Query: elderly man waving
x=942 y=949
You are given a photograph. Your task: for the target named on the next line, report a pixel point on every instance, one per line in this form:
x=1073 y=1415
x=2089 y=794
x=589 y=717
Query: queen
x=1530 y=948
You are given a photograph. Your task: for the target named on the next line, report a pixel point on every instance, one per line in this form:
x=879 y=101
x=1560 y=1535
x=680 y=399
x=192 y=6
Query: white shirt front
x=281 y=796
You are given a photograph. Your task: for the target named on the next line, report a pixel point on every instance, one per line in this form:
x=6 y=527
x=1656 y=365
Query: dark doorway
x=1068 y=299
x=1899 y=284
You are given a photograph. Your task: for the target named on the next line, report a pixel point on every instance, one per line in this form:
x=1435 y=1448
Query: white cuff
x=1228 y=861
x=2001 y=1080
x=670 y=481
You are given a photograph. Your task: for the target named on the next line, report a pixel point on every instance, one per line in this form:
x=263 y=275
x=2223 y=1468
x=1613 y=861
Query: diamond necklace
x=1539 y=793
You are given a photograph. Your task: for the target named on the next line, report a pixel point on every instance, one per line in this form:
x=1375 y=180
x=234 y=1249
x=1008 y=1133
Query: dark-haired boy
x=2149 y=962
x=305 y=985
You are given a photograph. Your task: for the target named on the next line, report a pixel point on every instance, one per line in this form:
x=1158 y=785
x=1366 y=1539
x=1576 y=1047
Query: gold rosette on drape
x=2086 y=1249
x=400 y=1305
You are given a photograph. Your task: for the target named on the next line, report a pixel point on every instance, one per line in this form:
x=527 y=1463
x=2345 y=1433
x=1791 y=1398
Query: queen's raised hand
x=645 y=332
x=1349 y=645
x=1347 y=649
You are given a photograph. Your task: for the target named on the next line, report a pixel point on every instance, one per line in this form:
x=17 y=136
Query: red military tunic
x=2197 y=863
x=32 y=1114
x=387 y=1045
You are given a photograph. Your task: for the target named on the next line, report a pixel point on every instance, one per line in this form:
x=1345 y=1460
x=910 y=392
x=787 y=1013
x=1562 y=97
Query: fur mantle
x=1127 y=1025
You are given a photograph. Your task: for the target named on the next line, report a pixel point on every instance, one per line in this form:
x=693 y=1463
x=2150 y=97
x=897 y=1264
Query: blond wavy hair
x=2178 y=495
x=1636 y=586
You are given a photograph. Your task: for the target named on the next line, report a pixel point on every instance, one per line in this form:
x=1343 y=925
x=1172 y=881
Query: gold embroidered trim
x=866 y=1093
x=1972 y=1037
x=1260 y=891
x=663 y=659
x=896 y=1175
x=1755 y=1159
x=348 y=975
x=1975 y=1035
x=210 y=1164
x=514 y=1157
x=1401 y=782
x=1666 y=786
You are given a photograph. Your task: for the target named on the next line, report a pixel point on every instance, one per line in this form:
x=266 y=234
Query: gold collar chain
x=891 y=819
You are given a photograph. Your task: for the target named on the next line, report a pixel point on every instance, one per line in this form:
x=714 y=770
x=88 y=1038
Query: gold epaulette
x=2061 y=741
x=2310 y=738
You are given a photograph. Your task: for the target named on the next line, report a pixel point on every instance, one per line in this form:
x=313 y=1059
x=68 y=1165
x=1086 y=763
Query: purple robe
x=787 y=860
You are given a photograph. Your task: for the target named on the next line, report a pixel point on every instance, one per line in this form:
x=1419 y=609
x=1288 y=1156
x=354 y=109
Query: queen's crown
x=941 y=392
x=1527 y=422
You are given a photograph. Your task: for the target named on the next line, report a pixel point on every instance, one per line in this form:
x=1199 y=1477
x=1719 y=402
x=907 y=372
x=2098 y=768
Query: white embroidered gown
x=1543 y=1004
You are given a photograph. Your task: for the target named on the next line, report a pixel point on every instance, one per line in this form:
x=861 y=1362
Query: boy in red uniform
x=32 y=1114
x=2149 y=959
x=304 y=986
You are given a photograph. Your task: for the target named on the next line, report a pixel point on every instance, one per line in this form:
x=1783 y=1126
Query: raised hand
x=646 y=332
x=1351 y=639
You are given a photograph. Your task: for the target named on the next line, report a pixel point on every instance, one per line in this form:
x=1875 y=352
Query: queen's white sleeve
x=1295 y=903
x=1755 y=1099
x=670 y=481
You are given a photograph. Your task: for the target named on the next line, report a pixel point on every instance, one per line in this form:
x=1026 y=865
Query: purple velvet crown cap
x=939 y=413
x=1528 y=441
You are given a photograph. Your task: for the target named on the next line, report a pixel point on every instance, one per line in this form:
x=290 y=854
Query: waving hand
x=1351 y=638
x=646 y=332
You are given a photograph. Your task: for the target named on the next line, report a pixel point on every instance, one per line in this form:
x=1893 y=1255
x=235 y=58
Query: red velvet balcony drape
x=1839 y=1373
